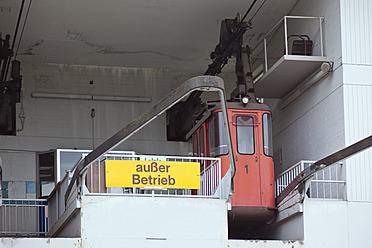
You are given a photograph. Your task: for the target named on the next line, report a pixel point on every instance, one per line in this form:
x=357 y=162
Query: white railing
x=287 y=176
x=329 y=183
x=210 y=179
x=261 y=49
x=23 y=217
x=326 y=184
x=210 y=176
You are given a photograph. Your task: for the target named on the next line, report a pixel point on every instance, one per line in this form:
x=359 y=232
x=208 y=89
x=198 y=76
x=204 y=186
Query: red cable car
x=253 y=199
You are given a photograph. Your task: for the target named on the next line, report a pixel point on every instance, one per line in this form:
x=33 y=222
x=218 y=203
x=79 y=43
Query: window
x=267 y=134
x=195 y=144
x=217 y=135
x=245 y=134
x=201 y=142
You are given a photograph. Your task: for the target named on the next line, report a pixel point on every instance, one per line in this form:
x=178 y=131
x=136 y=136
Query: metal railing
x=210 y=176
x=287 y=176
x=23 y=217
x=263 y=44
x=326 y=184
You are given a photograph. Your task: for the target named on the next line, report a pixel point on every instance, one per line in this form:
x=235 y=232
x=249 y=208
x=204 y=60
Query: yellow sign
x=139 y=174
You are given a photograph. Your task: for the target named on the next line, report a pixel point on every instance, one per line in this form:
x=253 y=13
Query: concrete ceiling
x=178 y=35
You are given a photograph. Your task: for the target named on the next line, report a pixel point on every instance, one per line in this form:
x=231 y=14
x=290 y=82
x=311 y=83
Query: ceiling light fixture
x=91 y=97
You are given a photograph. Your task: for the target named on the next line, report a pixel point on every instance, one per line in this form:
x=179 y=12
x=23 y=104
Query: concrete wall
x=40 y=242
x=336 y=224
x=265 y=244
x=290 y=229
x=66 y=123
x=18 y=173
x=111 y=221
x=325 y=223
x=312 y=126
x=336 y=112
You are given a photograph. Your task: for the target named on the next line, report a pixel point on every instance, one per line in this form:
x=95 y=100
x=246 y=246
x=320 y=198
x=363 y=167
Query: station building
x=89 y=69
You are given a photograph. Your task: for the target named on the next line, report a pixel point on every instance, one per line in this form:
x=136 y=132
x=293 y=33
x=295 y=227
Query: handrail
x=201 y=83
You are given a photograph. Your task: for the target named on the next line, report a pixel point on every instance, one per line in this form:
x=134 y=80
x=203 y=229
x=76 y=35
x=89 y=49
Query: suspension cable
x=23 y=28
x=14 y=39
x=259 y=8
x=250 y=8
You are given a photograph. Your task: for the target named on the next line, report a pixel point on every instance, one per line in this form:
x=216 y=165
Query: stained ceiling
x=178 y=35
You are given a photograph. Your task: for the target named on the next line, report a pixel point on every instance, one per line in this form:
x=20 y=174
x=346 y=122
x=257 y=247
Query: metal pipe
x=285 y=35
x=91 y=97
x=265 y=51
x=304 y=17
x=321 y=36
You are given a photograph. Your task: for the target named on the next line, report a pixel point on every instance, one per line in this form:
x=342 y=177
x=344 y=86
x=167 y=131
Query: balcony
x=287 y=55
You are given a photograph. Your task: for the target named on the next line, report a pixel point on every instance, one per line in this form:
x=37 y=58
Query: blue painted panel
x=30 y=187
x=4 y=189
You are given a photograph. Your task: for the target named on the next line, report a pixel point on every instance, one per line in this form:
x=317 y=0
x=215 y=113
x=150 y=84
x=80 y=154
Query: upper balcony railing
x=290 y=52
x=304 y=42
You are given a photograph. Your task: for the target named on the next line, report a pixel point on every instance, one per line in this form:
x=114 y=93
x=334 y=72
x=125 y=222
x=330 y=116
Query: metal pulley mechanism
x=184 y=115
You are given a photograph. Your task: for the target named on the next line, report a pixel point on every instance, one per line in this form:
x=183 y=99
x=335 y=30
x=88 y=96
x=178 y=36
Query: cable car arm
x=201 y=83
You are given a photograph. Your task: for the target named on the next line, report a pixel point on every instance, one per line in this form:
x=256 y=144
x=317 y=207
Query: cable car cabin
x=253 y=199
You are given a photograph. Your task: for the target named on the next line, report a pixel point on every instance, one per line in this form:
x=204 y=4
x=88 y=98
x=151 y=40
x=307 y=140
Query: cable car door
x=245 y=134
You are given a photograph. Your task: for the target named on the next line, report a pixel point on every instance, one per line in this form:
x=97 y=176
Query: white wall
x=53 y=123
x=312 y=126
x=112 y=221
x=265 y=244
x=338 y=224
x=359 y=224
x=356 y=25
x=290 y=229
x=325 y=223
x=358 y=125
x=356 y=19
x=40 y=242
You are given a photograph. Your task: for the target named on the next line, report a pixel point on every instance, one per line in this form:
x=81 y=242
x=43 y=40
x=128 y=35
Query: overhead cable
x=14 y=39
x=259 y=8
x=249 y=10
x=23 y=28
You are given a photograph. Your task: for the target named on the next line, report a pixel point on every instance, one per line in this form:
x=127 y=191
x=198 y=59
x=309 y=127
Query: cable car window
x=195 y=144
x=217 y=136
x=267 y=134
x=201 y=142
x=245 y=134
